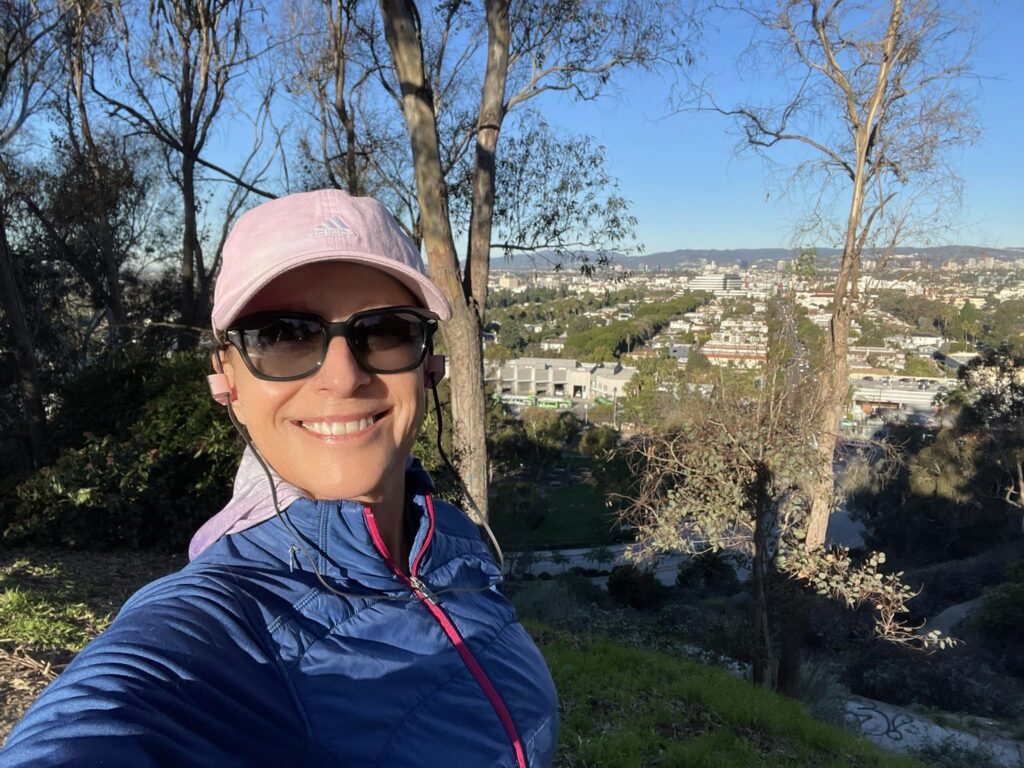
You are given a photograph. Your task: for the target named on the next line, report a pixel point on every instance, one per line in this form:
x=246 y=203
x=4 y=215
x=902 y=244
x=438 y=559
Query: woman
x=333 y=613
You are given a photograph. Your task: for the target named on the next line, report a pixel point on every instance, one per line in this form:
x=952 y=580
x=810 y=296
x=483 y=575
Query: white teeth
x=335 y=428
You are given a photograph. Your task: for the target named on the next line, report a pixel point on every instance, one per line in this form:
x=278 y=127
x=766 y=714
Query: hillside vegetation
x=621 y=706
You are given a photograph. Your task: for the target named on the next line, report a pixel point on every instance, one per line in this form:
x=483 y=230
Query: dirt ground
x=21 y=679
x=100 y=580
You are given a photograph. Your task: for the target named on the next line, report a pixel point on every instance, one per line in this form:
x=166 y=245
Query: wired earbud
x=433 y=369
x=220 y=387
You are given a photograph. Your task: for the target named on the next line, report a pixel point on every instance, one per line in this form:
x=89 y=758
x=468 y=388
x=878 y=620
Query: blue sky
x=689 y=189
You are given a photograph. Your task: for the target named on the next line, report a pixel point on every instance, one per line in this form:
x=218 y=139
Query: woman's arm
x=179 y=678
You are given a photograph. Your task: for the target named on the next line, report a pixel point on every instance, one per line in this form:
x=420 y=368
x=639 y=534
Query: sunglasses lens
x=284 y=346
x=389 y=341
x=382 y=341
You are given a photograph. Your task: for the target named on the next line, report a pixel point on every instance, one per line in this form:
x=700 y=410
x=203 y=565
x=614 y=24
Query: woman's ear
x=433 y=370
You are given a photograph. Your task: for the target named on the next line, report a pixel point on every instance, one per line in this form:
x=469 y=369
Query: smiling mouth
x=339 y=428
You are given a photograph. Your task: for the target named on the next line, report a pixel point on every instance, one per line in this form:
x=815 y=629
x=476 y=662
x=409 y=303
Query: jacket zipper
x=418 y=588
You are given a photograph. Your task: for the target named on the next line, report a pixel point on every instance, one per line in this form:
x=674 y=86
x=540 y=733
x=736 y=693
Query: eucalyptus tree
x=27 y=67
x=733 y=470
x=520 y=51
x=553 y=196
x=177 y=70
x=875 y=96
x=349 y=137
x=994 y=388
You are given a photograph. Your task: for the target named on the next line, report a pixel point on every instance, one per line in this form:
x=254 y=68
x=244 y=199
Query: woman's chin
x=344 y=491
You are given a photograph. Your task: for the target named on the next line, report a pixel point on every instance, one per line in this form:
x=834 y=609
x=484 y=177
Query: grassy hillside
x=625 y=707
x=621 y=706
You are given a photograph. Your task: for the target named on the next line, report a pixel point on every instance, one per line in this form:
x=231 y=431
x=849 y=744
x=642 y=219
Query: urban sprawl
x=895 y=376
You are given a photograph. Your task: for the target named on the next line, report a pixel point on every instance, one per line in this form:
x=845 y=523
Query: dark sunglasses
x=284 y=346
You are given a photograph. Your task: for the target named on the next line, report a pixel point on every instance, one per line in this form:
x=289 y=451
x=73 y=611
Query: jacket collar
x=252 y=503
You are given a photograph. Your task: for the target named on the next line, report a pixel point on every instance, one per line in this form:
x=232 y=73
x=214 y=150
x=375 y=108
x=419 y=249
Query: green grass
x=38 y=609
x=37 y=620
x=623 y=707
x=52 y=601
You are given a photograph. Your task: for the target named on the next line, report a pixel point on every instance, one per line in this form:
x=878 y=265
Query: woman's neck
x=391 y=523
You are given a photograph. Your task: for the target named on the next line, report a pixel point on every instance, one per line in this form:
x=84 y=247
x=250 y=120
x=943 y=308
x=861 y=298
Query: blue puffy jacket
x=243 y=659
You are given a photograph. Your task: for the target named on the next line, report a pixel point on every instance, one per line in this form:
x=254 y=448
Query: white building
x=555 y=377
x=707 y=283
x=917 y=341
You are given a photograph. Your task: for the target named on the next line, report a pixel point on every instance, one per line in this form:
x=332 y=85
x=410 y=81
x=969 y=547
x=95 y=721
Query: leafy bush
x=110 y=395
x=166 y=464
x=1015 y=570
x=635 y=587
x=518 y=507
x=950 y=753
x=1000 y=618
x=598 y=441
x=932 y=507
x=952 y=680
x=955 y=581
x=561 y=601
x=583 y=589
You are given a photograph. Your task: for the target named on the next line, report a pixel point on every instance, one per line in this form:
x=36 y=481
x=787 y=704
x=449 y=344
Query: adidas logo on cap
x=333 y=227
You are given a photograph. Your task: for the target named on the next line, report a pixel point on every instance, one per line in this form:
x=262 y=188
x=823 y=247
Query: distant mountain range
x=692 y=257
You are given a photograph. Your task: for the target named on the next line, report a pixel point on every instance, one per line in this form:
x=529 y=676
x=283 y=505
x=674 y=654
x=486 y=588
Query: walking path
x=901 y=730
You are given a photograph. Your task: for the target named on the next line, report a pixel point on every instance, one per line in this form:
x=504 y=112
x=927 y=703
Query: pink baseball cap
x=308 y=227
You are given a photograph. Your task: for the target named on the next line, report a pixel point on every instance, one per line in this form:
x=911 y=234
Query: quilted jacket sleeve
x=179 y=678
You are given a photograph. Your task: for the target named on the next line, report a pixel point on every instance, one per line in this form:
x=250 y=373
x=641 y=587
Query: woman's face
x=291 y=422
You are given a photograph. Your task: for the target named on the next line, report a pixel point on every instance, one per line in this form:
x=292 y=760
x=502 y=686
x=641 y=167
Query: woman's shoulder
x=214 y=596
x=206 y=581
x=184 y=651
x=452 y=520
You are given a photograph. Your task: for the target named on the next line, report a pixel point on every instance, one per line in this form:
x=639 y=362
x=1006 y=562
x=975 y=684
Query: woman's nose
x=340 y=371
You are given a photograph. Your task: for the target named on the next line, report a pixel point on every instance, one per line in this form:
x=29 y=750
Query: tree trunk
x=792 y=631
x=835 y=383
x=24 y=353
x=345 y=115
x=111 y=267
x=355 y=186
x=492 y=113
x=462 y=337
x=1019 y=482
x=761 y=671
x=462 y=332
x=189 y=247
